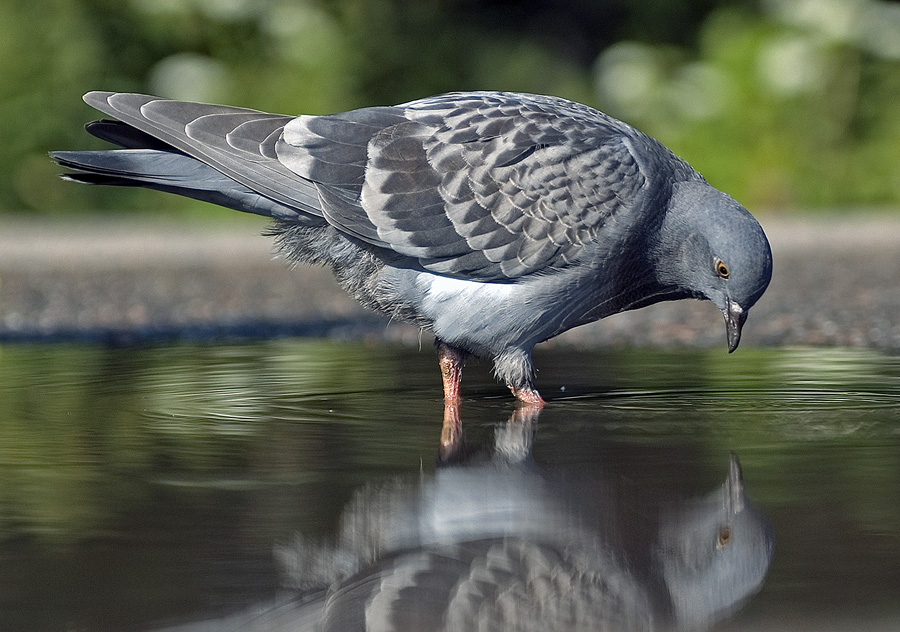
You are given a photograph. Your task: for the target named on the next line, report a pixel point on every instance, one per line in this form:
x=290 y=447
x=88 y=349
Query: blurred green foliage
x=784 y=103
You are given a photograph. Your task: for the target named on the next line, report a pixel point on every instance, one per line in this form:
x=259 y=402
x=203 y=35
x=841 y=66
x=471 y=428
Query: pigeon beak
x=734 y=320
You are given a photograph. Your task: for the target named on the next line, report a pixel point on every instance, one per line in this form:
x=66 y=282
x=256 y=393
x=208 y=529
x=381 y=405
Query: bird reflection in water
x=492 y=543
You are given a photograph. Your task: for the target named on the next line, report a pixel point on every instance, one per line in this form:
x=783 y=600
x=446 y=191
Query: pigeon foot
x=528 y=397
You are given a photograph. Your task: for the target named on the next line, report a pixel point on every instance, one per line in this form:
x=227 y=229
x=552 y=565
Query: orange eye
x=722 y=269
x=724 y=538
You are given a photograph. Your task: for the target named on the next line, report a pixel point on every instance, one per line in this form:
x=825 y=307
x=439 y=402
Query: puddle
x=142 y=487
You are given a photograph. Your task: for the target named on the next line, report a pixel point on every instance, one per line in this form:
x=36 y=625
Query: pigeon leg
x=451 y=361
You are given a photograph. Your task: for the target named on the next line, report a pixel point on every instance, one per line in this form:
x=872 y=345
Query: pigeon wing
x=485 y=186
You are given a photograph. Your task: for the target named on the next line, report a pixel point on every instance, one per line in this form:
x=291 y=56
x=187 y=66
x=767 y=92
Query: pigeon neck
x=678 y=241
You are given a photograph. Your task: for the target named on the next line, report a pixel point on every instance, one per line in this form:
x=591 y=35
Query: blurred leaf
x=789 y=105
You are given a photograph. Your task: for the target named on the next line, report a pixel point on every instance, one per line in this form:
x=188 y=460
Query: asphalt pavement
x=121 y=280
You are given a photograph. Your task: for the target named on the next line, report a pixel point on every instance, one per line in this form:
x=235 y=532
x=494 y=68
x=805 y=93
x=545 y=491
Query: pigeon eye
x=724 y=537
x=722 y=269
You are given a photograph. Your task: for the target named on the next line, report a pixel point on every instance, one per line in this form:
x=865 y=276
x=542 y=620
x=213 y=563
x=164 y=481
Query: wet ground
x=835 y=283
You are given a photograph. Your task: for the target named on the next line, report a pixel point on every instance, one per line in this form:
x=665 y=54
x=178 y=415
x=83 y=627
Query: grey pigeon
x=495 y=220
x=498 y=548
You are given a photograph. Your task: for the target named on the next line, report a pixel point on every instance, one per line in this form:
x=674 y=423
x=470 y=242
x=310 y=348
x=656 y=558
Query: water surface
x=146 y=486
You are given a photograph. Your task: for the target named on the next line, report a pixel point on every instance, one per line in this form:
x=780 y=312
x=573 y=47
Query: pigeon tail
x=170 y=172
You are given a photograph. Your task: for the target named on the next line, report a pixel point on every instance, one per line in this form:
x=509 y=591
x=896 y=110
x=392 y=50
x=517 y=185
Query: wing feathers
x=169 y=121
x=486 y=186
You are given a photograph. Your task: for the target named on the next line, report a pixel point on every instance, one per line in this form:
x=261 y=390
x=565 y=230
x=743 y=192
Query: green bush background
x=785 y=104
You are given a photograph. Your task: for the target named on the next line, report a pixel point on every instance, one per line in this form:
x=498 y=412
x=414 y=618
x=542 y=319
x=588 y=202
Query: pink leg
x=451 y=362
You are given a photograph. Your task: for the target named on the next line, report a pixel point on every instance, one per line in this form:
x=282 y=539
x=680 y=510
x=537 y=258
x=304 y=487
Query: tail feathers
x=168 y=171
x=125 y=135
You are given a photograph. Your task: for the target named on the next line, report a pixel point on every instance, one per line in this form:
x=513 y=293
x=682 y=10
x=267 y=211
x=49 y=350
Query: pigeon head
x=713 y=248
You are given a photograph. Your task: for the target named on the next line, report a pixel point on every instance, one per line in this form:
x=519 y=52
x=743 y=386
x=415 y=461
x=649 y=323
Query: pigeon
x=495 y=220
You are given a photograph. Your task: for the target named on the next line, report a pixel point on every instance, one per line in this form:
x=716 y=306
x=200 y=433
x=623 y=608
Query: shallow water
x=141 y=487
